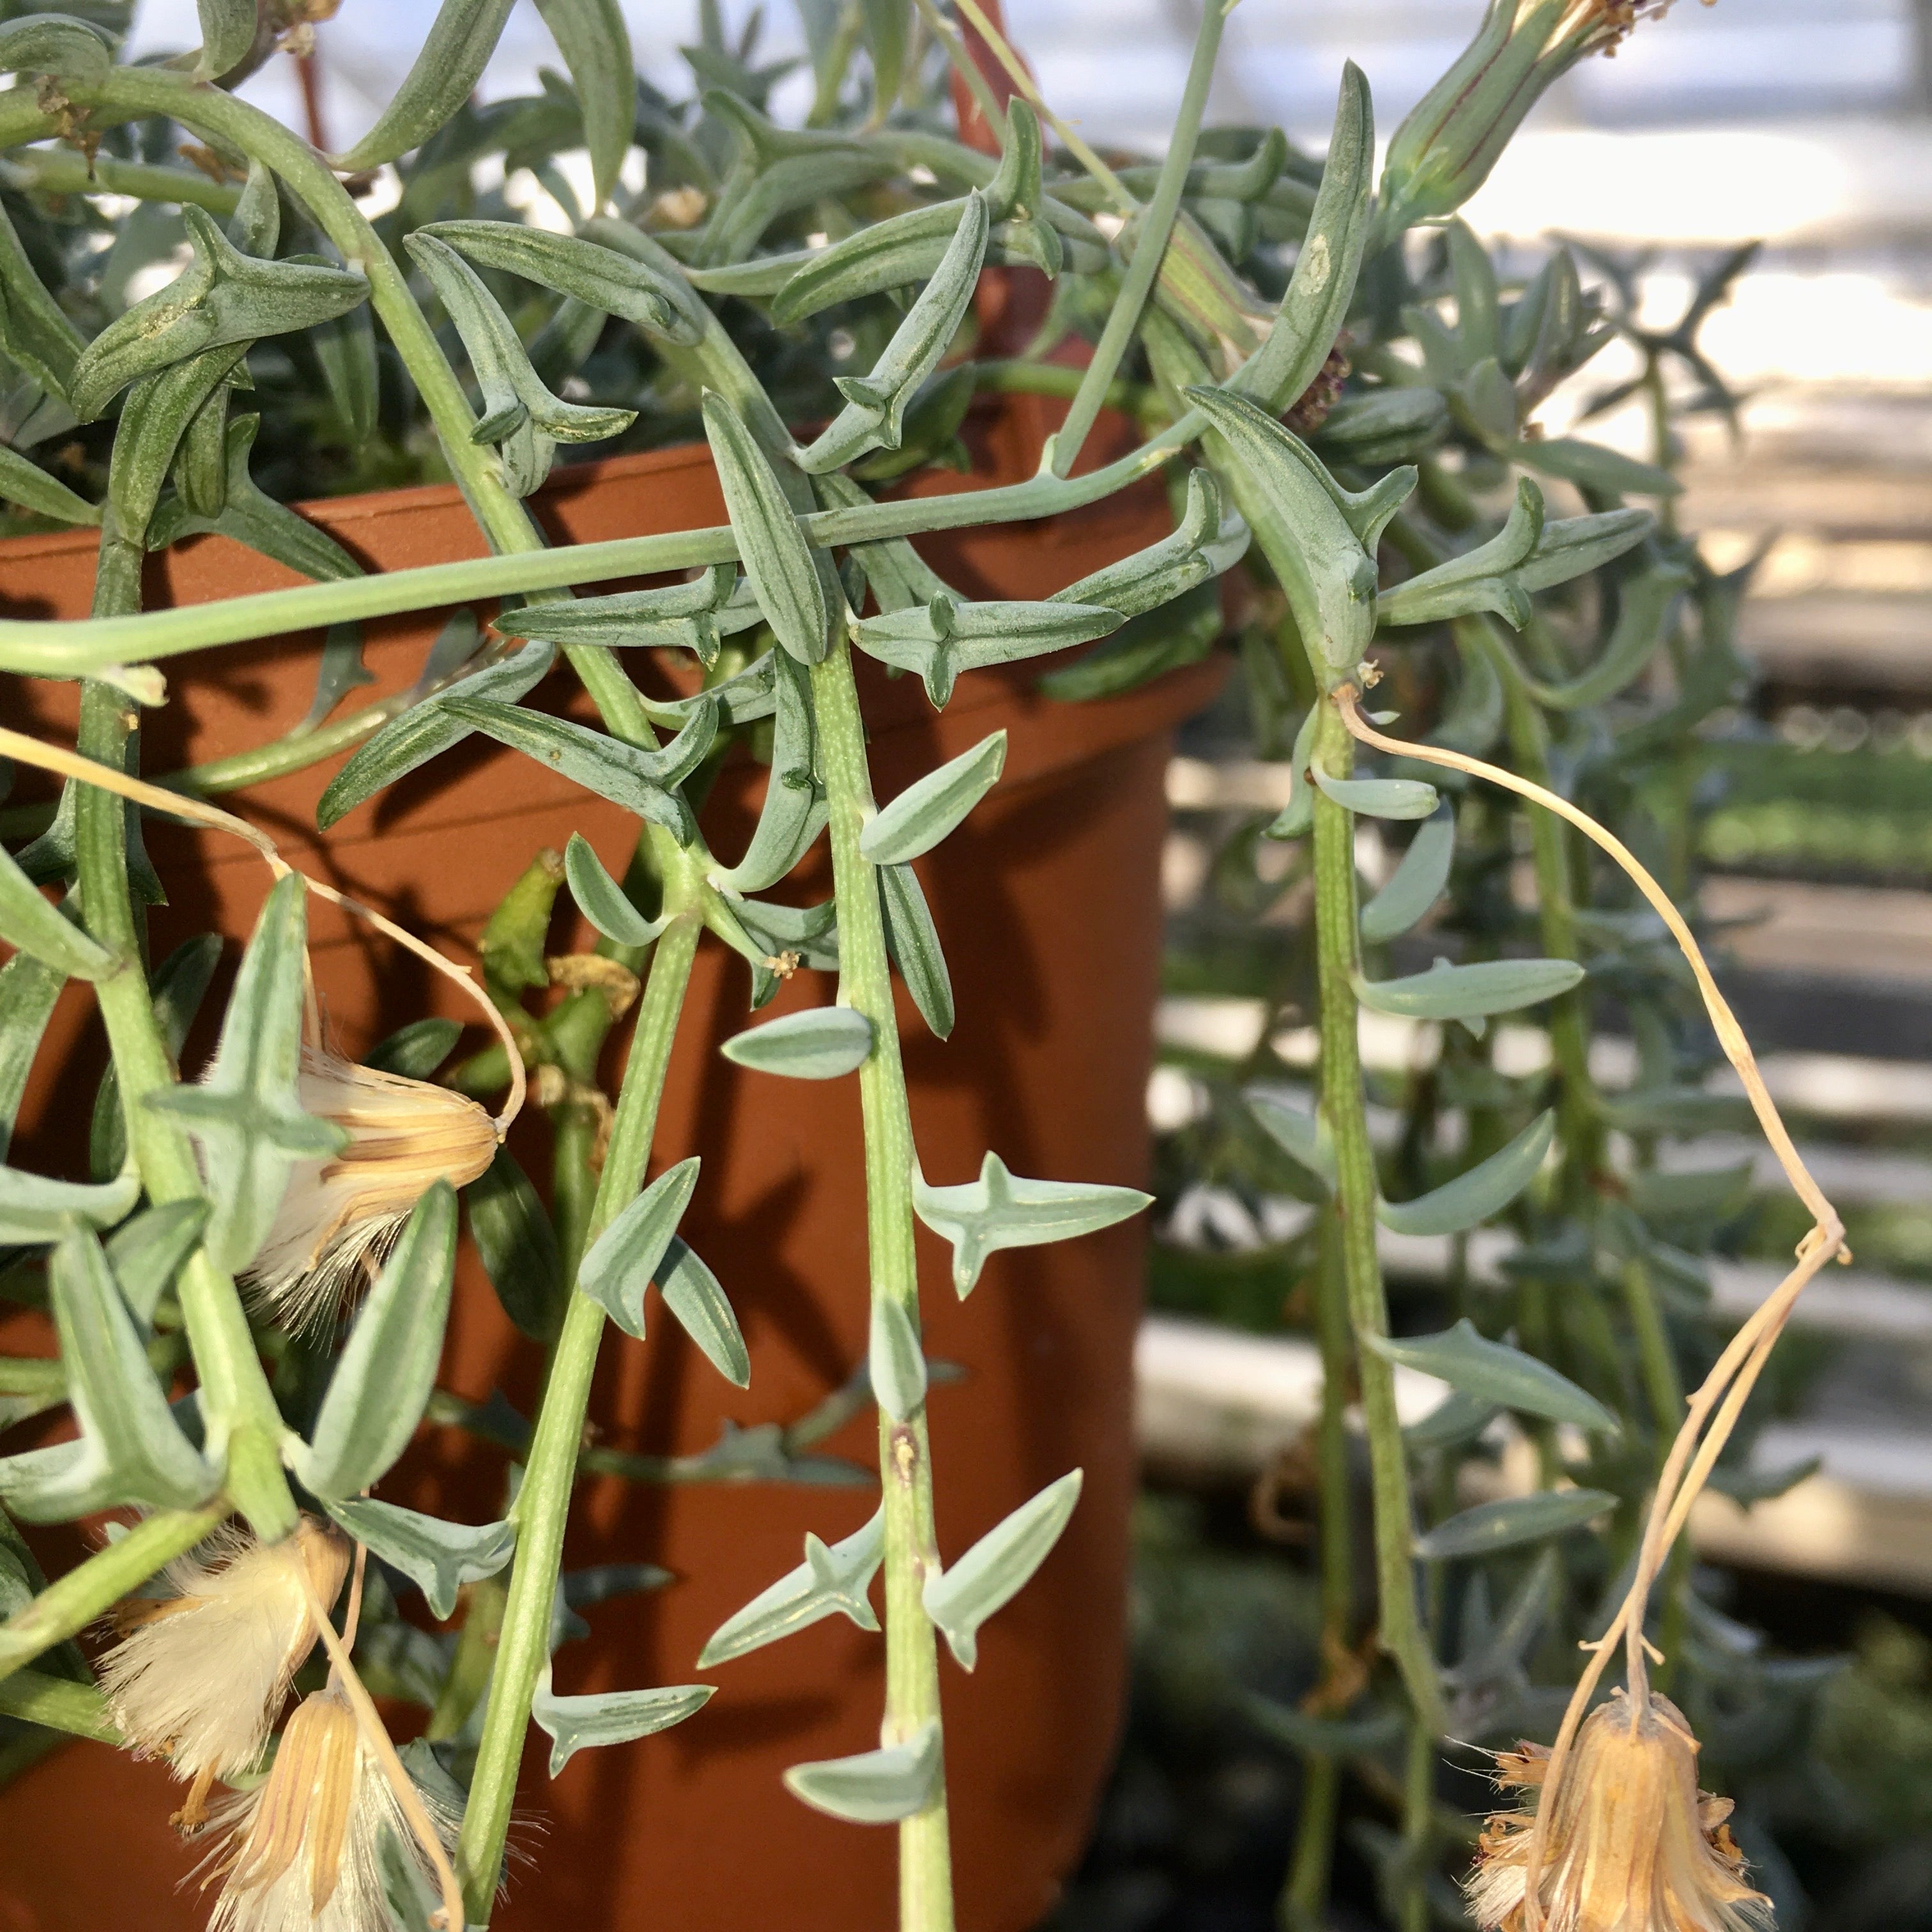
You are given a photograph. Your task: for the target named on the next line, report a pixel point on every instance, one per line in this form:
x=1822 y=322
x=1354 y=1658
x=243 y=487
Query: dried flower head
x=199 y=1676
x=303 y=1852
x=339 y=1216
x=1630 y=1843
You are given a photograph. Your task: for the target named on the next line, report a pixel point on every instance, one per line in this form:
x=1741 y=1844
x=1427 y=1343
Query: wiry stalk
x=905 y=1458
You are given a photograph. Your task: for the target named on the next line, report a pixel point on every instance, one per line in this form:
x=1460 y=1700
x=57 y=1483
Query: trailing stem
x=543 y=1503
x=1342 y=1104
x=905 y=1463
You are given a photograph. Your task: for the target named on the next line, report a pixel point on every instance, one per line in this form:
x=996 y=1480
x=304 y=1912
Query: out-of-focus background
x=1805 y=126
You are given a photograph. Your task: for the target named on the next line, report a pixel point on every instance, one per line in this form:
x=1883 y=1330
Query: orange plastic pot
x=1048 y=905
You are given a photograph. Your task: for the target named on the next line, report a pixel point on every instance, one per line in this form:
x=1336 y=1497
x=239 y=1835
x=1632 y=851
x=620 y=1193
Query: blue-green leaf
x=896 y=1360
x=640 y=782
x=146 y=1253
x=463 y=34
x=626 y=1256
x=771 y=542
x=998 y=1566
x=610 y=1717
x=931 y=807
x=1378 y=798
x=1473 y=992
x=794 y=811
x=596 y=45
x=876 y=1787
x=1487 y=1189
x=1415 y=885
x=913 y=940
x=387 y=1368
x=246 y=1116
x=1304 y=1138
x=425 y=729
x=34 y=1209
x=1004 y=1209
x=516 y=1245
x=41 y=930
x=693 y=1293
x=1512 y=1521
x=600 y=899
x=820 y=1044
x=439 y=1557
x=831 y=1581
x=1495 y=1375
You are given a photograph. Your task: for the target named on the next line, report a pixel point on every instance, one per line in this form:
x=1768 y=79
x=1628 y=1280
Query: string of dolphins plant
x=707 y=284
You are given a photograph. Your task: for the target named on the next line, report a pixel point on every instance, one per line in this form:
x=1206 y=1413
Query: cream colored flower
x=199 y=1677
x=338 y=1217
x=1631 y=1844
x=303 y=1852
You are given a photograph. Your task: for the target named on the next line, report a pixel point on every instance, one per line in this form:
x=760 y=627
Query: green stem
x=67 y=1607
x=1418 y=1795
x=59 y=1704
x=543 y=1503
x=1336 y=948
x=1304 y=1898
x=66 y=171
x=244 y=1424
x=1152 y=230
x=905 y=1463
x=476 y=1657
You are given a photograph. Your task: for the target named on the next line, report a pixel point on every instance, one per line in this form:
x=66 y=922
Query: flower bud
x=1443 y=152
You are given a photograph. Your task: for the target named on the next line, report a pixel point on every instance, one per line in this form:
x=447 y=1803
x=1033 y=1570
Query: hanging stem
x=905 y=1463
x=543 y=1503
x=1337 y=943
x=1150 y=244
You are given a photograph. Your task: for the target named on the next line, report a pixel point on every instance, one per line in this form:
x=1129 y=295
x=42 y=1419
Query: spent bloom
x=339 y=1216
x=1444 y=151
x=199 y=1676
x=304 y=1851
x=1631 y=1844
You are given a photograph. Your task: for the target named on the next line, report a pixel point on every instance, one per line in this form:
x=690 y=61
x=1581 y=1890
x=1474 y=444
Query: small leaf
x=439 y=1557
x=1303 y=1138
x=998 y=1566
x=516 y=1246
x=1449 y=1424
x=821 y=1044
x=29 y=485
x=602 y=900
x=1379 y=798
x=419 y=734
x=772 y=544
x=600 y=278
x=131 y=1451
x=29 y=992
x=611 y=1716
x=1496 y=1374
x=227 y=35
x=692 y=1293
x=831 y=1581
x=596 y=45
x=245 y=1116
x=640 y=782
x=415 y=1050
x=876 y=1787
x=793 y=810
x=463 y=34
x=624 y=1258
x=1706 y=1196
x=34 y=1209
x=1471 y=1198
x=1512 y=1521
x=387 y=1368
x=887 y=25
x=1647 y=603
x=1446 y=992
x=41 y=930
x=1745 y=1485
x=146 y=1253
x=931 y=807
x=1004 y=1209
x=896 y=1361
x=1415 y=885
x=1576 y=545
x=913 y=940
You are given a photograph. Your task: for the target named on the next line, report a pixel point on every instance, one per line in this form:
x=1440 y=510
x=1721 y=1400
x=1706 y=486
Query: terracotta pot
x=1049 y=908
